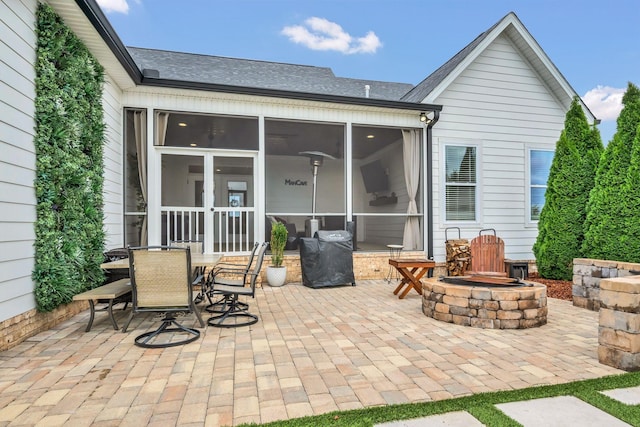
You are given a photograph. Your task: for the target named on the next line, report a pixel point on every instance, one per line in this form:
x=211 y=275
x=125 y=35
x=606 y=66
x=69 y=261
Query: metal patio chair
x=226 y=269
x=161 y=283
x=235 y=313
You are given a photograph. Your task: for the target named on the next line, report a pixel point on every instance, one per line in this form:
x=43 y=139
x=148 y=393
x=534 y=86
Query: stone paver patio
x=313 y=351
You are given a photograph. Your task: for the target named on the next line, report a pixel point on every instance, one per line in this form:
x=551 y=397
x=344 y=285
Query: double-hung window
x=461 y=182
x=539 y=167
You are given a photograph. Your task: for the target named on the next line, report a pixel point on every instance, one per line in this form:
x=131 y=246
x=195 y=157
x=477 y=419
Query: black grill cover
x=327 y=259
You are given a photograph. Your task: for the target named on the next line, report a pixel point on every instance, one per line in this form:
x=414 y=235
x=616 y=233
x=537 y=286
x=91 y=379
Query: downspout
x=430 y=124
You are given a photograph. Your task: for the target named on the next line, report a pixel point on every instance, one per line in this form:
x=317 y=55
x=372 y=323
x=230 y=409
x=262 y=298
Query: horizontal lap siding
x=113 y=170
x=499 y=103
x=17 y=155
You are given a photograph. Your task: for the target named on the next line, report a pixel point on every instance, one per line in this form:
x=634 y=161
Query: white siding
x=113 y=171
x=17 y=155
x=502 y=105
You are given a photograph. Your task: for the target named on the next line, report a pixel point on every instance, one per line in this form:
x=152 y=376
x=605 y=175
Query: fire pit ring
x=485 y=302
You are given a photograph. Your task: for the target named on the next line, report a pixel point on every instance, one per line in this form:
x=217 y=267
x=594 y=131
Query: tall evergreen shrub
x=630 y=206
x=572 y=175
x=606 y=225
x=69 y=148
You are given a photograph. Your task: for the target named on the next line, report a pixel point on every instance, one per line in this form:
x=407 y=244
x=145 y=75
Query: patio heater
x=316 y=158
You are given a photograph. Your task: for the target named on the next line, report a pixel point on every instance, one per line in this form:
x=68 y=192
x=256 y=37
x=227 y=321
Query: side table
x=394 y=253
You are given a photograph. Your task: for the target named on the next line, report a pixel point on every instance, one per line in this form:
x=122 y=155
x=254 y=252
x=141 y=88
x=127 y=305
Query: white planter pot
x=276 y=276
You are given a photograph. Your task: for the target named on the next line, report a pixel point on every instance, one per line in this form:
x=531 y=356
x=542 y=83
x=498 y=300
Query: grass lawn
x=482 y=406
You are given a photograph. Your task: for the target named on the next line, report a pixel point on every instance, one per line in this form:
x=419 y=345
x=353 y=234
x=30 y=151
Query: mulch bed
x=560 y=289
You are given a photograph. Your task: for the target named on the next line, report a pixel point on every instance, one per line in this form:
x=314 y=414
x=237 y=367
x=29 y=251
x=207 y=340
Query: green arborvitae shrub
x=630 y=206
x=606 y=226
x=560 y=228
x=69 y=138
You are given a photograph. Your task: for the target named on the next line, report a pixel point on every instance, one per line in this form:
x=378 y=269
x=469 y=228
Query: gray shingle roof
x=261 y=74
x=424 y=88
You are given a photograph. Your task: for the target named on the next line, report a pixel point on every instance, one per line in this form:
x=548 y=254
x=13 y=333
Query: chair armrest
x=230 y=263
x=238 y=270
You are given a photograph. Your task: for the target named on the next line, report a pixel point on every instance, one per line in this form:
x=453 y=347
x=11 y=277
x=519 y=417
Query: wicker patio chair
x=161 y=283
x=236 y=313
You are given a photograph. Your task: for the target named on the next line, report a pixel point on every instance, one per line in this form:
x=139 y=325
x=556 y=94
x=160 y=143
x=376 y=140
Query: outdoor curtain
x=411 y=157
x=140 y=133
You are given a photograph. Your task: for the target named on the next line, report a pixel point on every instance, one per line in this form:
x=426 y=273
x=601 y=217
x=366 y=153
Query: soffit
x=77 y=21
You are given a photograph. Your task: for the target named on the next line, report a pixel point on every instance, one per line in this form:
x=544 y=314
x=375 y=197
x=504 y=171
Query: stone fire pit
x=486 y=305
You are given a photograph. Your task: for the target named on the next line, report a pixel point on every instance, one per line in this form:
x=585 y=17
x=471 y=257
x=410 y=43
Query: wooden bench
x=111 y=293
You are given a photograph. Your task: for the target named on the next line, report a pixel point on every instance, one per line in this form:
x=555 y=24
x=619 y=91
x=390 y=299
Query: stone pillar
x=619 y=331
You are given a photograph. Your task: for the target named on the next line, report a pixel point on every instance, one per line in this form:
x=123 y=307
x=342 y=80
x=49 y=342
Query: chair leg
x=126 y=325
x=146 y=340
x=198 y=316
x=230 y=317
x=220 y=306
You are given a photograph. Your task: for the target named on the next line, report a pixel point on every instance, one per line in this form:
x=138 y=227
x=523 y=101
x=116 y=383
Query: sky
x=594 y=44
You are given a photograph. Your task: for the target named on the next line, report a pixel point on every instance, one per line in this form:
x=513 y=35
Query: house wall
x=18 y=164
x=502 y=105
x=17 y=155
x=113 y=164
x=298 y=198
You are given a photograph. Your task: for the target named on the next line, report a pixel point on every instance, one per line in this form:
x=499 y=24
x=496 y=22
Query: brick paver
x=313 y=351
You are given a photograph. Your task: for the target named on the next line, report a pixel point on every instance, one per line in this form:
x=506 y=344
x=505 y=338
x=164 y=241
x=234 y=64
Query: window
x=460 y=183
x=539 y=167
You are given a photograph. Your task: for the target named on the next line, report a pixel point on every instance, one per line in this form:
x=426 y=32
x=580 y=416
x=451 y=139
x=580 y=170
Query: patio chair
x=161 y=283
x=234 y=313
x=195 y=246
x=223 y=269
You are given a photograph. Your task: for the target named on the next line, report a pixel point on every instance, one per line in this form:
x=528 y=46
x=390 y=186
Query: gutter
x=94 y=14
x=429 y=184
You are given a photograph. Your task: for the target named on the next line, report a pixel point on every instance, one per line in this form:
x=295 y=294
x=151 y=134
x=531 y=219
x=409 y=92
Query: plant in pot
x=276 y=272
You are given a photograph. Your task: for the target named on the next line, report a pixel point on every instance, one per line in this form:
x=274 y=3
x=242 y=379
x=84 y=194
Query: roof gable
x=435 y=84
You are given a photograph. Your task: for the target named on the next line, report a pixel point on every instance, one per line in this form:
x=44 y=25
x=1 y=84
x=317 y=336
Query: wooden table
x=411 y=271
x=197 y=260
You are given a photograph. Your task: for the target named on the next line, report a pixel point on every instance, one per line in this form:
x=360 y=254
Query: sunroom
x=223 y=179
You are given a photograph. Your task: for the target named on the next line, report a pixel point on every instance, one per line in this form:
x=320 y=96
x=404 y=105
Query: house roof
x=87 y=20
x=263 y=78
x=428 y=85
x=261 y=74
x=510 y=25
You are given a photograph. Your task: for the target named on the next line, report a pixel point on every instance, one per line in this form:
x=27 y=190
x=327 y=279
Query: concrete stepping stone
x=559 y=411
x=628 y=396
x=450 y=419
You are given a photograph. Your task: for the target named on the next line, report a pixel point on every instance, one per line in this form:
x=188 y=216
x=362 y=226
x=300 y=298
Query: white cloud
x=321 y=34
x=120 y=6
x=605 y=102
